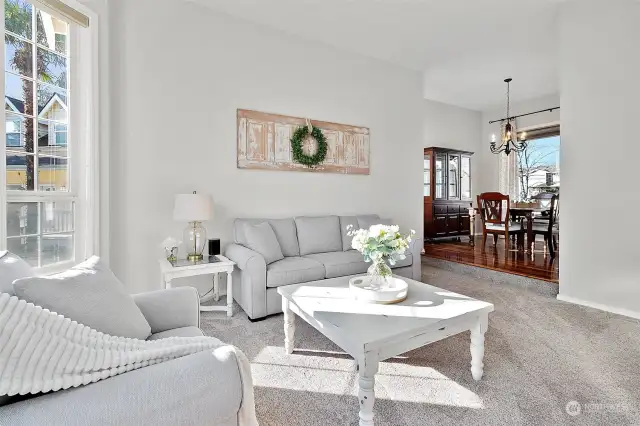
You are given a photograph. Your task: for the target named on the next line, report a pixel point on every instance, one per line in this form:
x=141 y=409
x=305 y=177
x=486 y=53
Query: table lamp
x=193 y=208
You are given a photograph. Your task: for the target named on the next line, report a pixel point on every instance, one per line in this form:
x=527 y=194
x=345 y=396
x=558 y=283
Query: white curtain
x=508 y=166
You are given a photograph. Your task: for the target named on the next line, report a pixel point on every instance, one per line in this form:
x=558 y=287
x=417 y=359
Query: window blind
x=65 y=11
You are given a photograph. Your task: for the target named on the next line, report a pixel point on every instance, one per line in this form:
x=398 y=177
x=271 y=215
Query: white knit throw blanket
x=41 y=351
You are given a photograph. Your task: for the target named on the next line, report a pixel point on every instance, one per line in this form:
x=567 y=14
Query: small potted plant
x=382 y=245
x=170 y=246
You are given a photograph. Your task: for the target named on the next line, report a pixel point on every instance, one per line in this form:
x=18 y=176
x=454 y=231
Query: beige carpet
x=540 y=355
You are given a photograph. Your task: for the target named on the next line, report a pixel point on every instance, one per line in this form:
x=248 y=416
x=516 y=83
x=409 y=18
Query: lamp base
x=194 y=238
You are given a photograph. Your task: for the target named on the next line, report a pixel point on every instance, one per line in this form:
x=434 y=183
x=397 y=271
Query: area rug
x=546 y=363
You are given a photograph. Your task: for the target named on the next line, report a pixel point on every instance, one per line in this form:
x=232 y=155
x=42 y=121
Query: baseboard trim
x=600 y=306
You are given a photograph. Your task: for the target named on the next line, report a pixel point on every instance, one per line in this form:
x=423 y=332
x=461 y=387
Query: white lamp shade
x=192 y=207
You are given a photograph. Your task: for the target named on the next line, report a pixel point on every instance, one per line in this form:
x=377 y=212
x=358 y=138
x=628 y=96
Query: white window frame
x=83 y=140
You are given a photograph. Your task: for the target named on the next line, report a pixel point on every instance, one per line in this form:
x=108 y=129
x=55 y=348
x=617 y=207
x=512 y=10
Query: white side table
x=168 y=272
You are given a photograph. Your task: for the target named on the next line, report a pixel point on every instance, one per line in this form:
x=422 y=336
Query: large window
x=45 y=165
x=538 y=167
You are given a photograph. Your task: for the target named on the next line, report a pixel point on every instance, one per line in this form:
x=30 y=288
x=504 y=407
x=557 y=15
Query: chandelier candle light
x=509 y=141
x=193 y=208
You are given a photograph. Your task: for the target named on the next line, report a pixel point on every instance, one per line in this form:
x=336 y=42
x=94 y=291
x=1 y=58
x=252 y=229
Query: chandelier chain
x=508 y=100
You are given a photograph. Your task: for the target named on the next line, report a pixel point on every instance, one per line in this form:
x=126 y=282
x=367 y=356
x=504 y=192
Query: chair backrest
x=553 y=211
x=552 y=204
x=543 y=199
x=494 y=208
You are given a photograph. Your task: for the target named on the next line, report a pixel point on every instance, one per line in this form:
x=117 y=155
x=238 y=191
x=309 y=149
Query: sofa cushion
x=294 y=270
x=262 y=239
x=341 y=263
x=319 y=234
x=367 y=221
x=11 y=268
x=204 y=388
x=347 y=224
x=90 y=294
x=285 y=230
x=177 y=332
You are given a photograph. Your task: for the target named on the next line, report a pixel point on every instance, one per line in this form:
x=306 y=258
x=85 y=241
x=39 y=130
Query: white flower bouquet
x=382 y=245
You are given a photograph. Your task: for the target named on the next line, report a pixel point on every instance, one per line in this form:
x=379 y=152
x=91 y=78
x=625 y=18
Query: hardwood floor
x=534 y=265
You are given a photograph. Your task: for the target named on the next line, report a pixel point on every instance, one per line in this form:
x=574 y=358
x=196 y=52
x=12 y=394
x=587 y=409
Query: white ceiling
x=464 y=47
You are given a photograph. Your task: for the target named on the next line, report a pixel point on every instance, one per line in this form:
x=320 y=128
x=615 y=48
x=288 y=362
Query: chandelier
x=508 y=139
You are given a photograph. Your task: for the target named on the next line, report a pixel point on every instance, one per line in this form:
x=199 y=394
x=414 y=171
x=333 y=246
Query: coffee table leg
x=477 y=347
x=289 y=326
x=366 y=395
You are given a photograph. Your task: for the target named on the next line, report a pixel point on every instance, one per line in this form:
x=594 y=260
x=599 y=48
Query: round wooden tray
x=362 y=291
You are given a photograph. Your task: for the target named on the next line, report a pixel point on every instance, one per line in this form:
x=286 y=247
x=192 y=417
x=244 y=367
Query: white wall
x=178 y=74
x=600 y=89
x=448 y=126
x=490 y=177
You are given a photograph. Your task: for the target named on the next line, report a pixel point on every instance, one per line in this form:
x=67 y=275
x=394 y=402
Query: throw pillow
x=12 y=268
x=262 y=239
x=90 y=294
x=285 y=230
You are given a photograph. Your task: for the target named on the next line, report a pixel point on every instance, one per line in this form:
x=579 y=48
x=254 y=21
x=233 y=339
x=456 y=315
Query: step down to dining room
x=536 y=271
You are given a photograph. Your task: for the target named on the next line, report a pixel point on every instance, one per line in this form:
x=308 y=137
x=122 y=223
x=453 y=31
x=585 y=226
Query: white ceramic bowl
x=362 y=290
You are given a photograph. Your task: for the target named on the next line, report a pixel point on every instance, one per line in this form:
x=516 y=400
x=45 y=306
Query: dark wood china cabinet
x=447 y=193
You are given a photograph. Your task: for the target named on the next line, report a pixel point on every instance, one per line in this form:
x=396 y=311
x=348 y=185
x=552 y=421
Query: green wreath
x=296 y=146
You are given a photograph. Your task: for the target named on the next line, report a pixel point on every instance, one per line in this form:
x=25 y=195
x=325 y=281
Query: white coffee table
x=373 y=333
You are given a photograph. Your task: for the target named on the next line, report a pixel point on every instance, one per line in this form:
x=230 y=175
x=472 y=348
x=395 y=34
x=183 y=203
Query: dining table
x=528 y=213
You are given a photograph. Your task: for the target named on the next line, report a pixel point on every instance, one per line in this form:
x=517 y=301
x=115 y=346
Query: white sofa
x=314 y=248
x=197 y=389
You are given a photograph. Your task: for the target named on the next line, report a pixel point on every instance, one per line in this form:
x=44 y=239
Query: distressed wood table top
x=372 y=333
x=357 y=326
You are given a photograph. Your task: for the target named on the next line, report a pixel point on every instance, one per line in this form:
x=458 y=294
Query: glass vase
x=171 y=253
x=379 y=271
x=194 y=238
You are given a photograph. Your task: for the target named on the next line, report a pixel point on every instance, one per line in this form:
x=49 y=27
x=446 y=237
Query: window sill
x=55 y=269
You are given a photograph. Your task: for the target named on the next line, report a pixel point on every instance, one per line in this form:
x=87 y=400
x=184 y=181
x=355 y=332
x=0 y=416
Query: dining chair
x=544 y=201
x=494 y=213
x=549 y=228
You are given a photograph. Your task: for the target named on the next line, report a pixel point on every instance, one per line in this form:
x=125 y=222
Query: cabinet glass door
x=440 y=176
x=465 y=178
x=427 y=175
x=454 y=177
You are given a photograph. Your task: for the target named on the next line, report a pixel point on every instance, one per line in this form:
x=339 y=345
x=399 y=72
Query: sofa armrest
x=415 y=248
x=168 y=309
x=245 y=258
x=250 y=277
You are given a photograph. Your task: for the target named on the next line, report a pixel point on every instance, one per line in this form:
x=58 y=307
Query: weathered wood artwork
x=264 y=143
